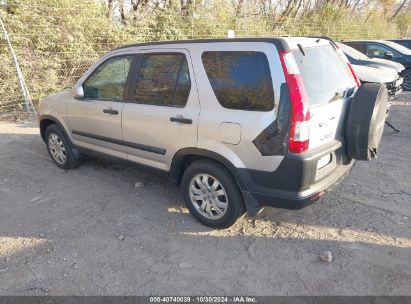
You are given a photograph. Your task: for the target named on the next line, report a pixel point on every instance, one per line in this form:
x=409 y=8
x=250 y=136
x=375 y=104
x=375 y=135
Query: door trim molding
x=129 y=144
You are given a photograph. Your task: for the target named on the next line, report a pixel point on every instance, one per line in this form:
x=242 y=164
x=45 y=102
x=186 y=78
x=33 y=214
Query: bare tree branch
x=398 y=10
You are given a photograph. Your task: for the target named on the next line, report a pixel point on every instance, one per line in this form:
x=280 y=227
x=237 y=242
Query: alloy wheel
x=57 y=148
x=208 y=196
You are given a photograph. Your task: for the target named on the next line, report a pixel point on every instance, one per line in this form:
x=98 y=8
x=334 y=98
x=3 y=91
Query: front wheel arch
x=46 y=121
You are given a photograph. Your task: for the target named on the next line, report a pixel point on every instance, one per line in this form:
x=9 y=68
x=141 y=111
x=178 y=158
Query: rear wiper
x=341 y=93
x=337 y=95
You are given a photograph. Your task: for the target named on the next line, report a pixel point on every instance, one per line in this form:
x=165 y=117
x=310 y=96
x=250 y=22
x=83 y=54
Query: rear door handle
x=110 y=111
x=181 y=120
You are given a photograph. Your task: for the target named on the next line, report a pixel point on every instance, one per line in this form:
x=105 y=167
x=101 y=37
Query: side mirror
x=388 y=55
x=78 y=92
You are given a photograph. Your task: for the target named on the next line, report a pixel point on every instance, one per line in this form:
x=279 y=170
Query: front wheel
x=211 y=194
x=406 y=84
x=59 y=148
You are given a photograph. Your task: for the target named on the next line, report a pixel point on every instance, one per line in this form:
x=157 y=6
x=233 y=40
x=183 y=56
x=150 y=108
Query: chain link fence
x=51 y=66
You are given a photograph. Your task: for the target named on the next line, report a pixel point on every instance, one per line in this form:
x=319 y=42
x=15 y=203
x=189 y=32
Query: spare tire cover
x=365 y=121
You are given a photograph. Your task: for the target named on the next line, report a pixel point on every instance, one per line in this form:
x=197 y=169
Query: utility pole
x=23 y=87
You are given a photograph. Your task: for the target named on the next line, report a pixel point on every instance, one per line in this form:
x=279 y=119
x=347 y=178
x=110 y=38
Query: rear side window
x=163 y=80
x=324 y=73
x=358 y=46
x=108 y=80
x=240 y=80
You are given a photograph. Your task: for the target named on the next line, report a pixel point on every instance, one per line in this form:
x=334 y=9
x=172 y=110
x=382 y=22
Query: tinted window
x=377 y=50
x=323 y=72
x=163 y=79
x=108 y=80
x=351 y=52
x=240 y=80
x=358 y=46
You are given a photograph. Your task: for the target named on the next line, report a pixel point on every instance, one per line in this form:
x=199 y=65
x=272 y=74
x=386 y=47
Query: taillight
x=357 y=80
x=300 y=116
x=344 y=58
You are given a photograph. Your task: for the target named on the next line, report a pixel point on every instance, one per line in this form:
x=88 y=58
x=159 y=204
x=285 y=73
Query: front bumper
x=394 y=87
x=297 y=182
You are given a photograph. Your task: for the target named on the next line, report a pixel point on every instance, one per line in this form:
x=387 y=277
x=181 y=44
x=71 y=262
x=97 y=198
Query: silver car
x=238 y=123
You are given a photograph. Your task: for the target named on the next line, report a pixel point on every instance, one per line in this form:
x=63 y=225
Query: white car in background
x=373 y=70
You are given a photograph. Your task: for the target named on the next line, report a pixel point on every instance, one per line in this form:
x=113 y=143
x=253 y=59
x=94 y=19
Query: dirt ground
x=89 y=231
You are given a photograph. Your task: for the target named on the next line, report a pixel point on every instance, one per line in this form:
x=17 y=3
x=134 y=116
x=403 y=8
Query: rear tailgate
x=328 y=83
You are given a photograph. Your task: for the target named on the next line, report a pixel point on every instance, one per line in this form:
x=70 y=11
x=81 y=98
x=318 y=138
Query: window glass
x=353 y=53
x=323 y=72
x=378 y=50
x=108 y=81
x=240 y=80
x=164 y=80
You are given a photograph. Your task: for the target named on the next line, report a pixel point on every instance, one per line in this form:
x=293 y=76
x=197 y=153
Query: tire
x=56 y=142
x=230 y=204
x=365 y=121
x=406 y=85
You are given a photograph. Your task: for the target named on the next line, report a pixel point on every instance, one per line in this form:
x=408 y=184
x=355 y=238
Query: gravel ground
x=89 y=231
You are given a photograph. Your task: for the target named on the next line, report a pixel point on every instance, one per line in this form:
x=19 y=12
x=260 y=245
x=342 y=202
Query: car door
x=162 y=115
x=95 y=120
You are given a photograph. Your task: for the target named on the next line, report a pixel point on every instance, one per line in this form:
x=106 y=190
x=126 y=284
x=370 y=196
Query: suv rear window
x=240 y=80
x=324 y=73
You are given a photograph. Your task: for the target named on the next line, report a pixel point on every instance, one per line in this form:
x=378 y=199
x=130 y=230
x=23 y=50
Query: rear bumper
x=297 y=182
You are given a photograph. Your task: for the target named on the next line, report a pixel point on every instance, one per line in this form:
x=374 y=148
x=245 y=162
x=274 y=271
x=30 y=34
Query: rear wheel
x=211 y=194
x=60 y=149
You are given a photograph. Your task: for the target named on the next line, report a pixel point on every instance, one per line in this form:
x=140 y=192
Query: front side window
x=240 y=80
x=107 y=82
x=377 y=50
x=163 y=80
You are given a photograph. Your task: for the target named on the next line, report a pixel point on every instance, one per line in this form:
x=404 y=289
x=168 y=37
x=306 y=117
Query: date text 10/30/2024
x=202 y=299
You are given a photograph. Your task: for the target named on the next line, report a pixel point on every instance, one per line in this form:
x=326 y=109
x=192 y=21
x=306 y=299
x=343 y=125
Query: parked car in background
x=403 y=42
x=374 y=69
x=238 y=123
x=386 y=50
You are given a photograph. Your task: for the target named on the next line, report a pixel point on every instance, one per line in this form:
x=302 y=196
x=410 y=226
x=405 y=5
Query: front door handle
x=181 y=120
x=110 y=111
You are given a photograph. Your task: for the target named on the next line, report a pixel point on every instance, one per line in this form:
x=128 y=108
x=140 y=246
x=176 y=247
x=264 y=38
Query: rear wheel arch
x=184 y=157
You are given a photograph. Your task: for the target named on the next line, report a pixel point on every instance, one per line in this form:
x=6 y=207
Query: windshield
x=398 y=47
x=324 y=73
x=352 y=52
